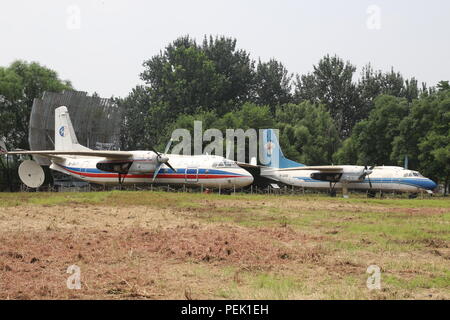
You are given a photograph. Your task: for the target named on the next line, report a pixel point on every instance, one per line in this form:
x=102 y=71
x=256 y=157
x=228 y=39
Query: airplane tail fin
x=65 y=138
x=273 y=156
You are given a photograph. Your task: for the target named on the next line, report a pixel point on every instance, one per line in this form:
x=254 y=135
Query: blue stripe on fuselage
x=165 y=171
x=420 y=183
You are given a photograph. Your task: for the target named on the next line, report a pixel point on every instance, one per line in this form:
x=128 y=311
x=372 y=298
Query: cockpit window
x=412 y=174
x=225 y=164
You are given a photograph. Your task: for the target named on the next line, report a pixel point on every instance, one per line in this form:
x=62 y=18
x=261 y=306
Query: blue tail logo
x=61 y=131
x=273 y=156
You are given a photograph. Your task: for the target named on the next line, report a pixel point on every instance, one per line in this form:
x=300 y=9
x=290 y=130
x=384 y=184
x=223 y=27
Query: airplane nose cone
x=246 y=180
x=431 y=184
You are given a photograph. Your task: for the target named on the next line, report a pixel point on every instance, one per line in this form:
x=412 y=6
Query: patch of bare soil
x=267 y=246
x=431 y=243
x=131 y=262
x=320 y=205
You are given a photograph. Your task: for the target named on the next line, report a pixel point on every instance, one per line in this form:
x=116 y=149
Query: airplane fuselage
x=382 y=179
x=201 y=170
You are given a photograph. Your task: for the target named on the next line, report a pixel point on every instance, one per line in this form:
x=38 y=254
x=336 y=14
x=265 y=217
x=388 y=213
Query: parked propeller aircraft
x=345 y=177
x=129 y=167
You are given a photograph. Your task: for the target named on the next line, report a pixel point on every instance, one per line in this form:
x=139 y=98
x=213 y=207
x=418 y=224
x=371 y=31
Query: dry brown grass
x=175 y=246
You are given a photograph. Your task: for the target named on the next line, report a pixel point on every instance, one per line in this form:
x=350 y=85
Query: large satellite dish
x=31 y=174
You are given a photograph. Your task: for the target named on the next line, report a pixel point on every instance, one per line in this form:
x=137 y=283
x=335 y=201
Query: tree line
x=20 y=83
x=325 y=116
x=329 y=115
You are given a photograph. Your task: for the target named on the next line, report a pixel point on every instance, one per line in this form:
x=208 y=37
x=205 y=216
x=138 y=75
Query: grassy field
x=158 y=245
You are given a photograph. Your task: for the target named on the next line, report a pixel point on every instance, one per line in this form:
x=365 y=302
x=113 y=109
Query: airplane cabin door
x=83 y=169
x=191 y=175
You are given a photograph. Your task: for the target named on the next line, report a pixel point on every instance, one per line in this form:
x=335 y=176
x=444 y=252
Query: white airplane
x=129 y=167
x=345 y=177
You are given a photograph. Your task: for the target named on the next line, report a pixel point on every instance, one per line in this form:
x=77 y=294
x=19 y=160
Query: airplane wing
x=316 y=168
x=255 y=171
x=247 y=165
x=89 y=153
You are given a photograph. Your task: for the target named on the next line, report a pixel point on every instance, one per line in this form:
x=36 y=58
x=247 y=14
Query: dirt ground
x=156 y=245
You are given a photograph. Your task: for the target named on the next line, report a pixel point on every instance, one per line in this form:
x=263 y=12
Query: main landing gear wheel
x=371 y=194
x=332 y=191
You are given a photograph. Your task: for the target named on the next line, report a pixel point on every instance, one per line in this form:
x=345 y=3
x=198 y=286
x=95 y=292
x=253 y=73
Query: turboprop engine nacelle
x=356 y=175
x=124 y=167
x=143 y=166
x=352 y=177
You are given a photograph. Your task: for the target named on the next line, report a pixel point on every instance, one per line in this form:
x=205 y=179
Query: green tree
x=424 y=136
x=135 y=110
x=307 y=133
x=20 y=84
x=183 y=77
x=372 y=139
x=235 y=66
x=347 y=153
x=443 y=86
x=190 y=78
x=273 y=84
x=248 y=116
x=374 y=83
x=331 y=84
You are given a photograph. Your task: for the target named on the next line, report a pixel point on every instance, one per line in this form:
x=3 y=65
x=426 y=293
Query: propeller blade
x=370 y=182
x=153 y=149
x=158 y=167
x=366 y=172
x=168 y=164
x=363 y=175
x=168 y=146
x=162 y=159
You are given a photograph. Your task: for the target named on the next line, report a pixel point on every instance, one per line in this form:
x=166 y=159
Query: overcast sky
x=102 y=48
